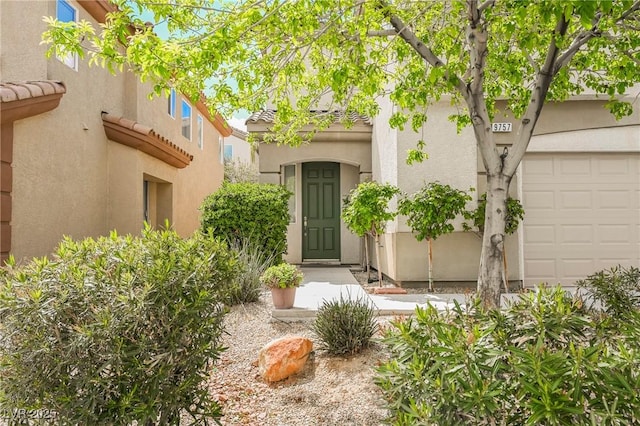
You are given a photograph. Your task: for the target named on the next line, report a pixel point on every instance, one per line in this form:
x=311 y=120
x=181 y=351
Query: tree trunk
x=378 y=260
x=430 y=265
x=491 y=271
x=366 y=254
x=506 y=271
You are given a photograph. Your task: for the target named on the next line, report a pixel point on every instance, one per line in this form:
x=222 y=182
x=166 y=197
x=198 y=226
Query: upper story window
x=228 y=152
x=186 y=120
x=171 y=105
x=67 y=13
x=200 y=132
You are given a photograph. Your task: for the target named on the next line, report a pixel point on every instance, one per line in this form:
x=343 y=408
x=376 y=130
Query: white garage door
x=582 y=214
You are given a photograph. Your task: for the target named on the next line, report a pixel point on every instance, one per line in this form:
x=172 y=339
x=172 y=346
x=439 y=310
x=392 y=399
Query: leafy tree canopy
x=431 y=210
x=294 y=53
x=366 y=209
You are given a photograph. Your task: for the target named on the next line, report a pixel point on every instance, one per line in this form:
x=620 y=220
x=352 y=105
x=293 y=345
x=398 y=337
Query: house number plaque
x=501 y=127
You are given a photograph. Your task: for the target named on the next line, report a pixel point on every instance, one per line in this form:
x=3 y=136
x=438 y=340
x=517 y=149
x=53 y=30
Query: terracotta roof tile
x=240 y=134
x=148 y=140
x=17 y=91
x=268 y=116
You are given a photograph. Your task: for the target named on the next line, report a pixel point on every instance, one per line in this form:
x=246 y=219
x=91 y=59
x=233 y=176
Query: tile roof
x=240 y=134
x=18 y=91
x=24 y=99
x=268 y=116
x=145 y=139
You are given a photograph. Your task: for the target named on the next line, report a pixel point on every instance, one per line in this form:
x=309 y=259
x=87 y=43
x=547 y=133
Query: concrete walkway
x=331 y=283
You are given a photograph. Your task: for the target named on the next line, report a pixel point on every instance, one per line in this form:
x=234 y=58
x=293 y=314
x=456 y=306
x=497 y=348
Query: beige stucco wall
x=68 y=178
x=456 y=258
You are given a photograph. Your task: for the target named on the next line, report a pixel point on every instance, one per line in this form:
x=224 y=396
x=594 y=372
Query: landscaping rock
x=283 y=357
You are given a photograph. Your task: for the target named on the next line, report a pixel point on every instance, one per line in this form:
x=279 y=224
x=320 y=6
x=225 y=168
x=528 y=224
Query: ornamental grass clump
x=115 y=330
x=345 y=326
x=252 y=262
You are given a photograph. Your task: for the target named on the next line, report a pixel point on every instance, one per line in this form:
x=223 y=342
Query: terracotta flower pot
x=283 y=298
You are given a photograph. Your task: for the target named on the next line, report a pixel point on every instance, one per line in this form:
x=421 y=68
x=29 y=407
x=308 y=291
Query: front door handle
x=304 y=222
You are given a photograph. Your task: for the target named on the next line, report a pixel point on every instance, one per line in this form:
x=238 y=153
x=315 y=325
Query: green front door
x=321 y=211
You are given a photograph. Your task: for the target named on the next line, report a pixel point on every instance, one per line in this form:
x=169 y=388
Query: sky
x=237 y=121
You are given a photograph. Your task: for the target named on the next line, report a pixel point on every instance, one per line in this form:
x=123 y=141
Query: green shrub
x=115 y=330
x=283 y=275
x=252 y=262
x=345 y=326
x=615 y=290
x=258 y=212
x=543 y=360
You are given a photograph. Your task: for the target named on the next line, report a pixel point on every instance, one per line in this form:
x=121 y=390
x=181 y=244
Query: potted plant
x=282 y=279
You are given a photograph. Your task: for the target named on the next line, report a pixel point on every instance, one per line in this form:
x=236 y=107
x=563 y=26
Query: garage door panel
x=570 y=167
x=614 y=234
x=541 y=200
x=540 y=270
x=576 y=200
x=613 y=166
x=539 y=167
x=573 y=269
x=540 y=234
x=612 y=199
x=581 y=218
x=576 y=234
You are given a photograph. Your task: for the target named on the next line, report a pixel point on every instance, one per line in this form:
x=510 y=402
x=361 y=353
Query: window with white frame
x=171 y=104
x=67 y=13
x=200 y=132
x=186 y=120
x=221 y=149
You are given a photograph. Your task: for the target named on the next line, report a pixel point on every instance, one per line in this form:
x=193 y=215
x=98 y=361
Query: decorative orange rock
x=283 y=357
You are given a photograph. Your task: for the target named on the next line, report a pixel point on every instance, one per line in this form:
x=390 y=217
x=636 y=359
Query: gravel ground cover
x=329 y=391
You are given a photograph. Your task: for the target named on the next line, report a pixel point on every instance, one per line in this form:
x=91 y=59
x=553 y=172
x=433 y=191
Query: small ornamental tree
x=366 y=212
x=430 y=212
x=513 y=217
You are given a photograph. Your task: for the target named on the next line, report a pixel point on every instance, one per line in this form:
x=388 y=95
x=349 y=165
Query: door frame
x=303 y=210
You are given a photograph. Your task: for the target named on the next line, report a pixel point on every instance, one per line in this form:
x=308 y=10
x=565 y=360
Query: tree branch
x=427 y=54
x=584 y=37
x=487 y=4
x=530 y=118
x=381 y=33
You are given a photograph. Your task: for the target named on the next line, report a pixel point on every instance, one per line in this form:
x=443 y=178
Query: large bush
x=258 y=212
x=541 y=361
x=115 y=330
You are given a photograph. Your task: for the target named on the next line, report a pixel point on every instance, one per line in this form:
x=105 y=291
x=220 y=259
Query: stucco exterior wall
x=21 y=25
x=68 y=177
x=354 y=153
x=384 y=152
